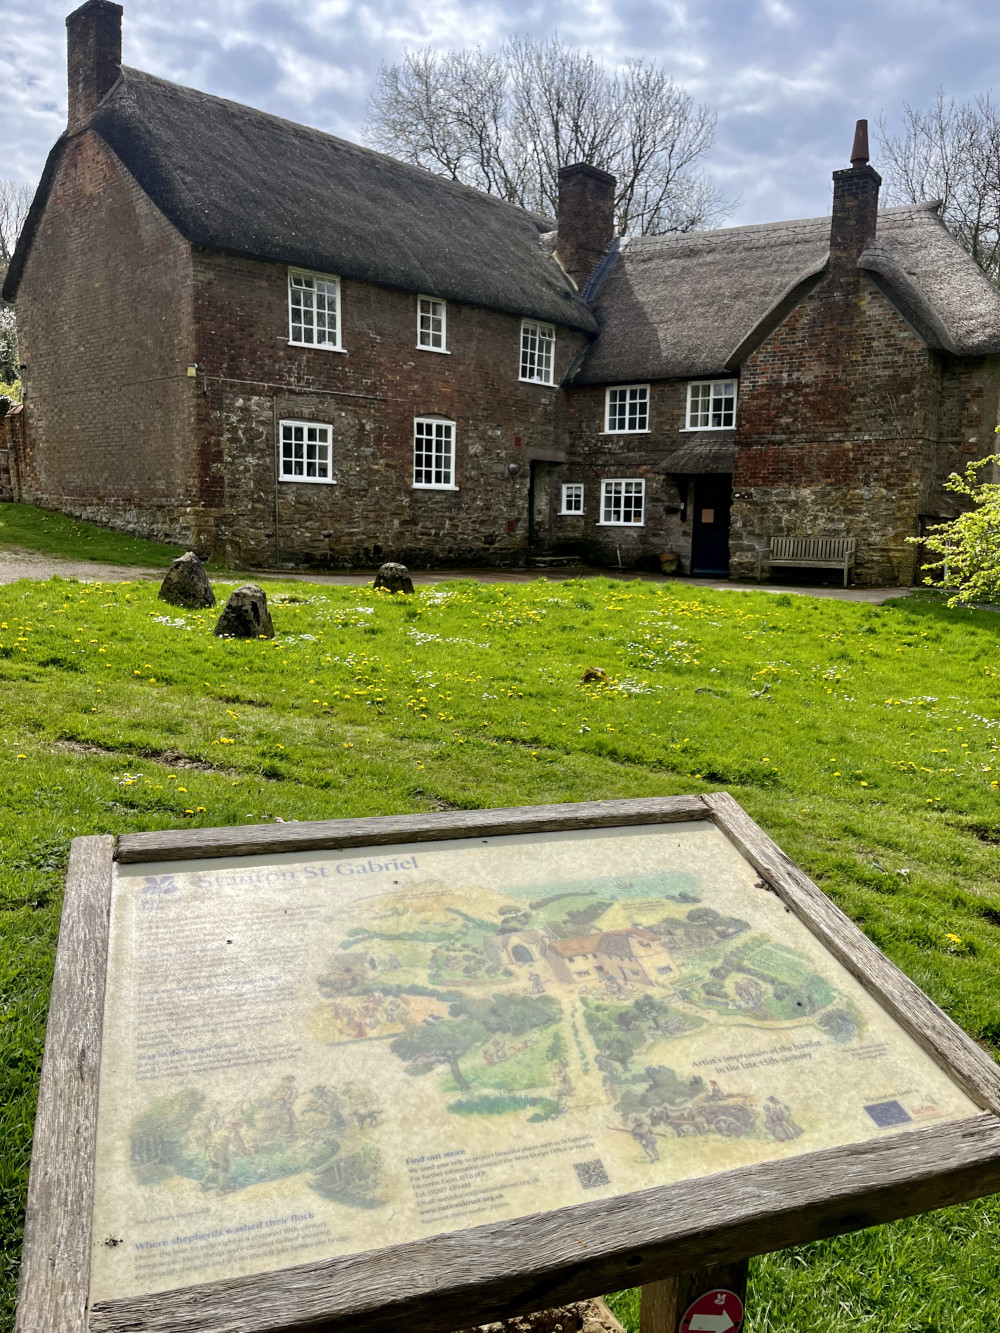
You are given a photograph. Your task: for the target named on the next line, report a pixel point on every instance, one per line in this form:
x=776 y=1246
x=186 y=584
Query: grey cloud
x=788 y=77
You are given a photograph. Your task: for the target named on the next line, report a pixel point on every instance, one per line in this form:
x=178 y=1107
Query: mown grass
x=50 y=533
x=864 y=739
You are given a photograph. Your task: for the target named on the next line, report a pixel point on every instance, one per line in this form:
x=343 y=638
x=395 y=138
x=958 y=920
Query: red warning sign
x=715 y=1312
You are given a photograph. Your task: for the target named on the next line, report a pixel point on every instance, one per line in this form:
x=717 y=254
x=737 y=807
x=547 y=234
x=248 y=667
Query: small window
x=622 y=502
x=572 y=498
x=305 y=451
x=314 y=310
x=627 y=409
x=538 y=349
x=711 y=405
x=431 y=324
x=434 y=453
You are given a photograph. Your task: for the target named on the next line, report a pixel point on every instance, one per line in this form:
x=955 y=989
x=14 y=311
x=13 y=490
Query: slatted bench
x=810 y=553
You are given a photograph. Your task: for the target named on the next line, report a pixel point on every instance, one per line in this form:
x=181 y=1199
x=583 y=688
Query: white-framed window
x=434 y=453
x=432 y=324
x=306 y=451
x=572 y=498
x=538 y=352
x=626 y=409
x=623 y=502
x=711 y=405
x=314 y=310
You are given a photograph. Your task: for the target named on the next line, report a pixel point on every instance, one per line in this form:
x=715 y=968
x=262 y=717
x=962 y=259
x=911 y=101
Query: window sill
x=541 y=384
x=319 y=347
x=569 y=513
x=311 y=481
x=428 y=486
x=441 y=351
x=647 y=431
x=698 y=429
x=610 y=523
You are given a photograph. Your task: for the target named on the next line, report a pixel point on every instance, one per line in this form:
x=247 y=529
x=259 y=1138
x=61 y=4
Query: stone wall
x=595 y=455
x=250 y=377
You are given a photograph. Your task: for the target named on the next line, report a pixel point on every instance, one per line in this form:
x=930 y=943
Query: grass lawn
x=50 y=533
x=864 y=739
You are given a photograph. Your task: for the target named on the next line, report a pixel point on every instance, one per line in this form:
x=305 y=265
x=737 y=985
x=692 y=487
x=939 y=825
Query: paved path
x=19 y=564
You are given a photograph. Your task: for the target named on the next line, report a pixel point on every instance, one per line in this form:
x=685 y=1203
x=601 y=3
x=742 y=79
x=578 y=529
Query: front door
x=713 y=499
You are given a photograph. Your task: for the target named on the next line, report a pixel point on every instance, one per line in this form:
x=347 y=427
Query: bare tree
x=951 y=152
x=15 y=199
x=506 y=121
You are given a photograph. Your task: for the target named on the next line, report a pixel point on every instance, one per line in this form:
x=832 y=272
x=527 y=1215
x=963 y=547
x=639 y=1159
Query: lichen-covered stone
x=186 y=583
x=581 y=1317
x=393 y=577
x=245 y=615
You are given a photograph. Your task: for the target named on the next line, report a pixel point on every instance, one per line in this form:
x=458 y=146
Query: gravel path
x=19 y=564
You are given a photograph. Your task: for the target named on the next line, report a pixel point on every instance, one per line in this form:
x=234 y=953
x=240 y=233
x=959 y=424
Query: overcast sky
x=787 y=77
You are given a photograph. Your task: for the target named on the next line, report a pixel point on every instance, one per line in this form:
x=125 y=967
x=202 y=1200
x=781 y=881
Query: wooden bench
x=810 y=553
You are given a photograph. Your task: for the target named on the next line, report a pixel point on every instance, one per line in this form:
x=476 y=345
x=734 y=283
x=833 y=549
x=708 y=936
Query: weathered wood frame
x=527 y=1263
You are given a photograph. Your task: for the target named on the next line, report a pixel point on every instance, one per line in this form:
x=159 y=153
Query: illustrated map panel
x=319 y=1054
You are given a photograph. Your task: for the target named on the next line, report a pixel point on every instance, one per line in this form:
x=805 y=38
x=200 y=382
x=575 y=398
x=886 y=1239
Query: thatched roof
x=697 y=304
x=234 y=179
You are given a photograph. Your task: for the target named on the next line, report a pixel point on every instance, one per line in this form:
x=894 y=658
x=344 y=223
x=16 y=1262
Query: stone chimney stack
x=855 y=204
x=585 y=218
x=94 y=57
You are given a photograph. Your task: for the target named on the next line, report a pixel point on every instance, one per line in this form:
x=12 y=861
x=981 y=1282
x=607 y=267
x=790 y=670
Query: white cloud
x=788 y=78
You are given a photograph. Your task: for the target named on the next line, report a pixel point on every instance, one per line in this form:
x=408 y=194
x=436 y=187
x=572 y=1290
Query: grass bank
x=50 y=533
x=864 y=739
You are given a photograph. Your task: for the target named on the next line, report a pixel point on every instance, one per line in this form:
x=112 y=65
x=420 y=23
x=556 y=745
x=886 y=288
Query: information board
x=312 y=1058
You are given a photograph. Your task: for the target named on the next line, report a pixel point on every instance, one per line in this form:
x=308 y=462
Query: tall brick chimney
x=855 y=204
x=94 y=55
x=585 y=218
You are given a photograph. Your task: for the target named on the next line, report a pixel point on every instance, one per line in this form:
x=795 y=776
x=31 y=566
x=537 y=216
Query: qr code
x=591 y=1174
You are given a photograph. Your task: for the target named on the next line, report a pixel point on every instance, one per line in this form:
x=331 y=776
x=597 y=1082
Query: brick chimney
x=94 y=57
x=585 y=218
x=855 y=204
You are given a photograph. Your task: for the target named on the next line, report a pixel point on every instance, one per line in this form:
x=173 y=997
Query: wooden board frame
x=528 y=1263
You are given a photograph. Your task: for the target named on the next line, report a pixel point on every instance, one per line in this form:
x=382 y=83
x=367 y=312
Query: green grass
x=49 y=533
x=864 y=739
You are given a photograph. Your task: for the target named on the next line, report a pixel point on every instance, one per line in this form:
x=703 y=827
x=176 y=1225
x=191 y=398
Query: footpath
x=19 y=564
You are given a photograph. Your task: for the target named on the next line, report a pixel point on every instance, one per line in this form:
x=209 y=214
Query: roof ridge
x=678 y=237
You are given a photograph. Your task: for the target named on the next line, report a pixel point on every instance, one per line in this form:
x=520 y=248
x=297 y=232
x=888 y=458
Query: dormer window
x=432 y=327
x=314 y=310
x=711 y=405
x=538 y=352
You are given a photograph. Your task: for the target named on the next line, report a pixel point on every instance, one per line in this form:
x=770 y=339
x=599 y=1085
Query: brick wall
x=105 y=329
x=250 y=376
x=11 y=447
x=837 y=429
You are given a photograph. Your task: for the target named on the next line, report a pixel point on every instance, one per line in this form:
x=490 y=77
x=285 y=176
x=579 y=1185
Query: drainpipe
x=277 y=472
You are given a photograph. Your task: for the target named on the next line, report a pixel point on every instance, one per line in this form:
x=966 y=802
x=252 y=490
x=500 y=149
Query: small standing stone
x=245 y=615
x=394 y=577
x=186 y=583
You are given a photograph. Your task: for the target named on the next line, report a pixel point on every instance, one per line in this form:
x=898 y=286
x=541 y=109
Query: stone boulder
x=186 y=583
x=394 y=577
x=245 y=615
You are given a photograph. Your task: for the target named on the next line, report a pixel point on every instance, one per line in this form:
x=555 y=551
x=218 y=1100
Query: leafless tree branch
x=506 y=122
x=951 y=152
x=15 y=199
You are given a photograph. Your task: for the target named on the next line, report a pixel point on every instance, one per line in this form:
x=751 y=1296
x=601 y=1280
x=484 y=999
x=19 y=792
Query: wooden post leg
x=663 y=1304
